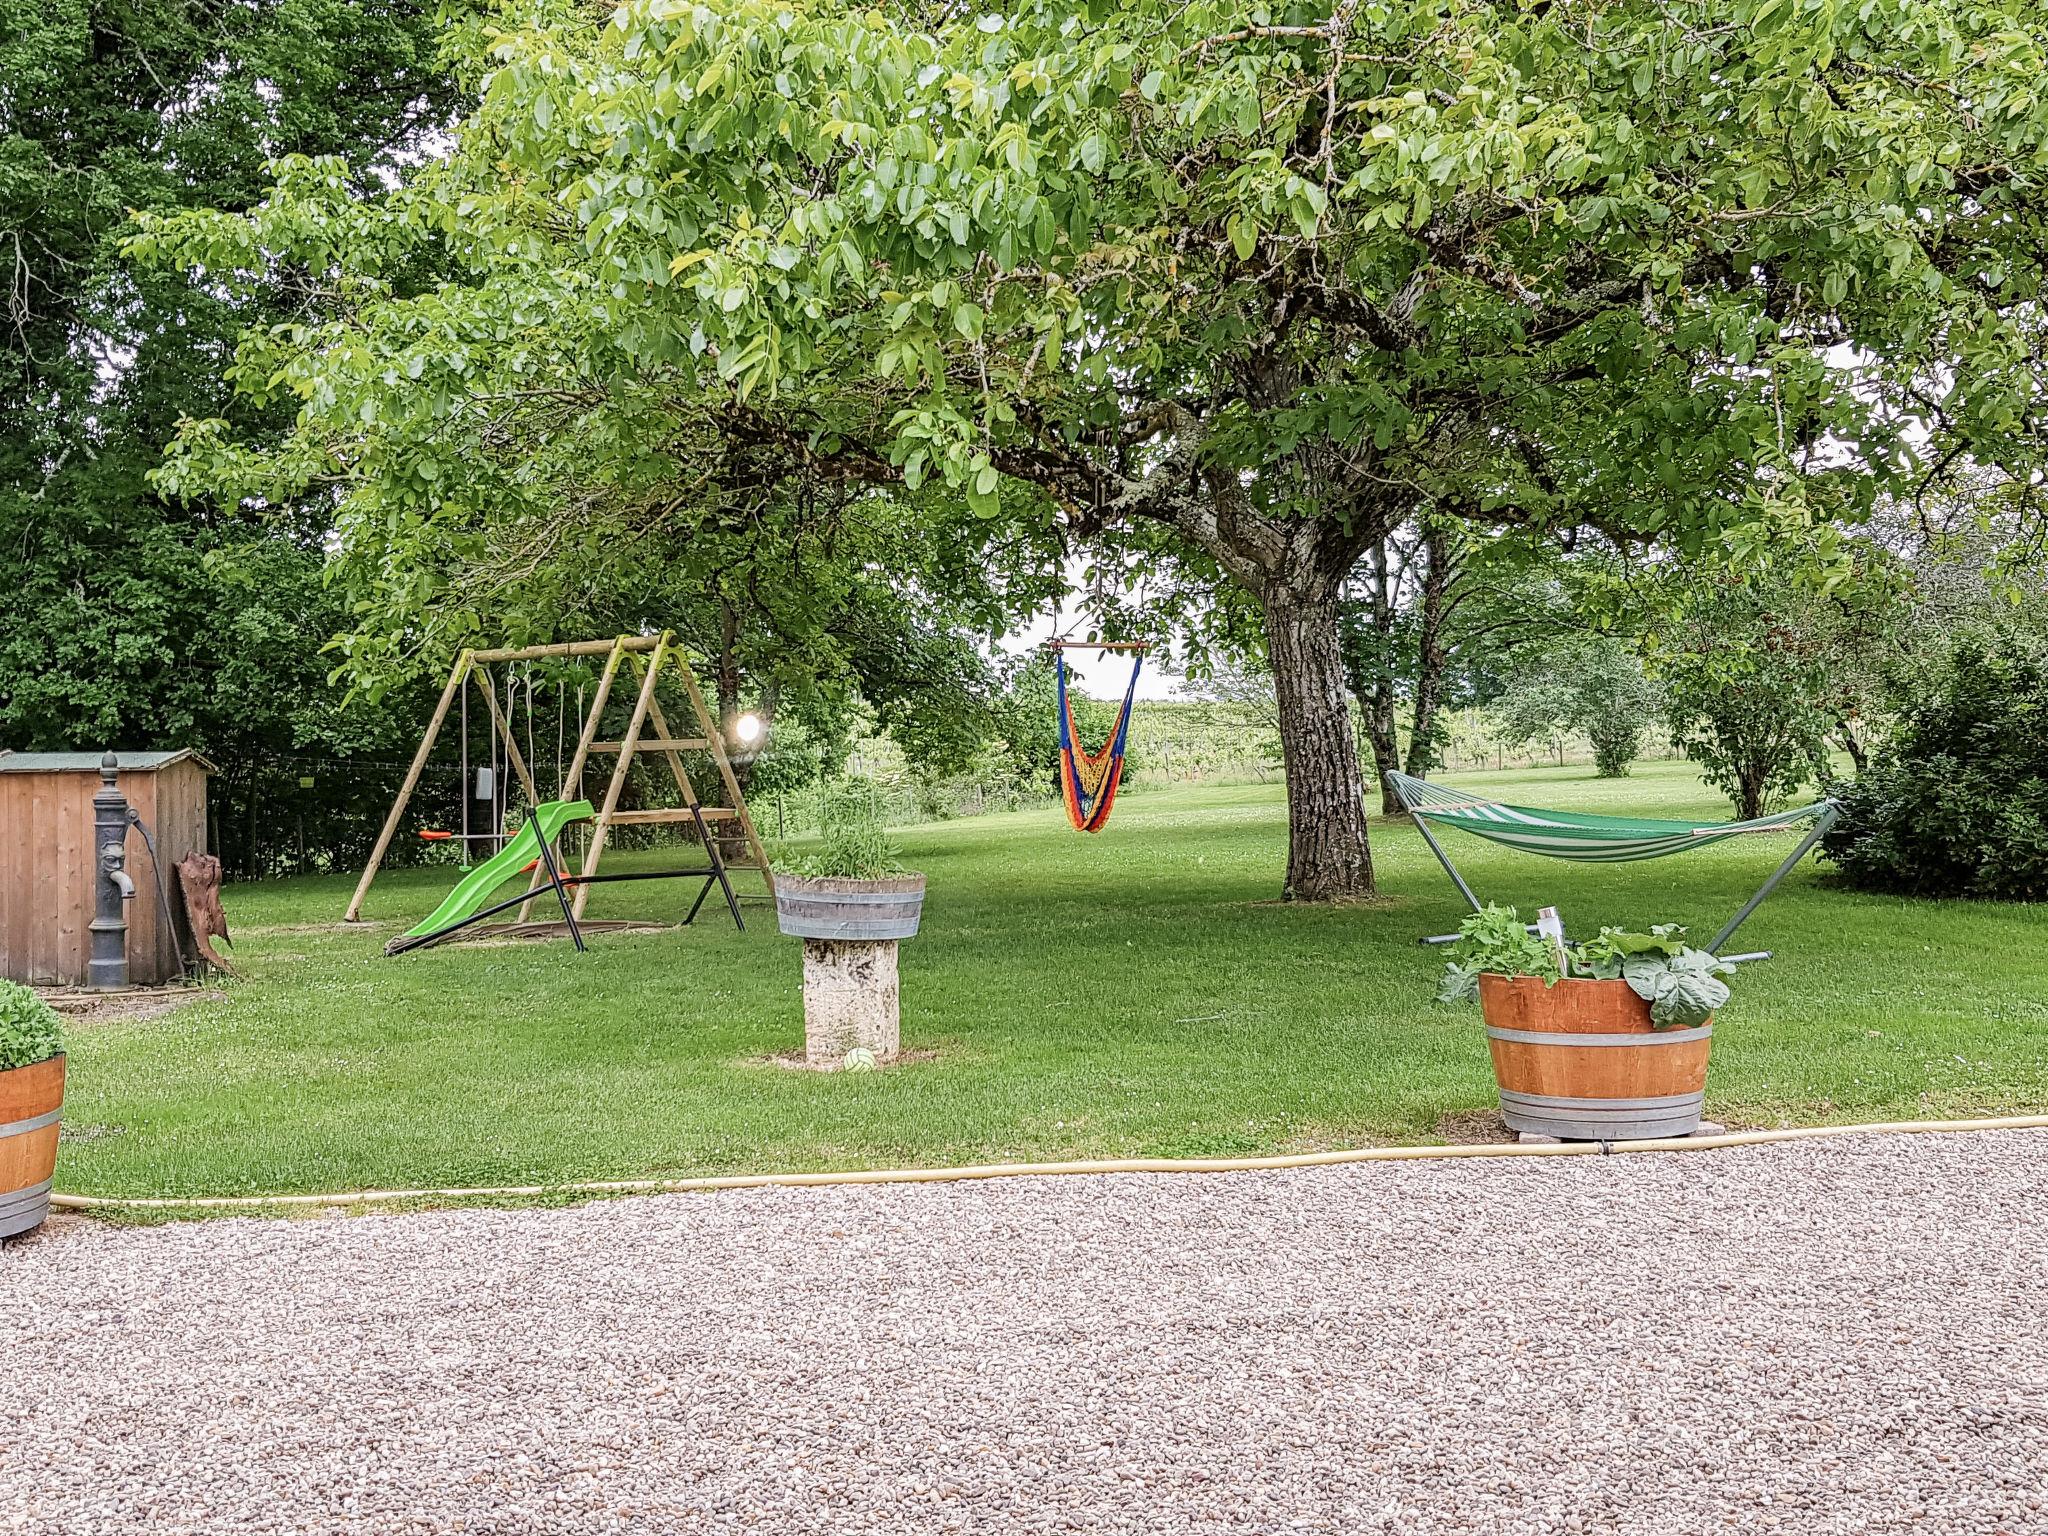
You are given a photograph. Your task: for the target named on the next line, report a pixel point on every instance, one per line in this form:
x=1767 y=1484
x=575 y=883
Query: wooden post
x=715 y=734
x=628 y=744
x=593 y=722
x=456 y=677
x=199 y=882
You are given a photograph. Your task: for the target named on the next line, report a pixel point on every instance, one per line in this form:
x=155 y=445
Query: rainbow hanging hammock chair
x=1088 y=780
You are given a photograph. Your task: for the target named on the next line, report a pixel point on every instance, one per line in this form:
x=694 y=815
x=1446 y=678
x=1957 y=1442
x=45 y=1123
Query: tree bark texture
x=1859 y=754
x=1431 y=657
x=199 y=882
x=1327 y=854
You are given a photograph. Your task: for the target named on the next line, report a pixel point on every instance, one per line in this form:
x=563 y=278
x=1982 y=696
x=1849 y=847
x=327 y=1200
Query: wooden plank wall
x=176 y=814
x=45 y=835
x=46 y=871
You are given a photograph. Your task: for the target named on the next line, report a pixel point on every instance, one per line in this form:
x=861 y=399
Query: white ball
x=859 y=1059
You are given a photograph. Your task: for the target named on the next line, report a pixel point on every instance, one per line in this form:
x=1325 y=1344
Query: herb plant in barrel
x=31 y=1100
x=1605 y=1040
x=850 y=901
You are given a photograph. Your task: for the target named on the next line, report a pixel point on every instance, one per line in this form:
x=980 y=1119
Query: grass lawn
x=1136 y=993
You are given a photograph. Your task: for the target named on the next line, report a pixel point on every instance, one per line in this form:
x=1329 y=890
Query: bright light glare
x=749 y=729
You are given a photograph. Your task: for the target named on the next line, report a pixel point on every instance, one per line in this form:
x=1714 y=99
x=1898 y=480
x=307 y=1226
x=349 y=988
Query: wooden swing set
x=645 y=657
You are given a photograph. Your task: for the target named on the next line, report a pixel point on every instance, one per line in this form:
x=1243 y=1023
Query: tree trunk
x=1750 y=778
x=1431 y=657
x=199 y=881
x=1386 y=748
x=1327 y=855
x=1379 y=699
x=1859 y=755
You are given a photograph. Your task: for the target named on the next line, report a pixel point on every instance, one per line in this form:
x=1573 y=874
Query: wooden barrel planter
x=31 y=1100
x=821 y=908
x=1579 y=1060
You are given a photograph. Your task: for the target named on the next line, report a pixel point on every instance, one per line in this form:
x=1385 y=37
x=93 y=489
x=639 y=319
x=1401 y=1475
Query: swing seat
x=1089 y=780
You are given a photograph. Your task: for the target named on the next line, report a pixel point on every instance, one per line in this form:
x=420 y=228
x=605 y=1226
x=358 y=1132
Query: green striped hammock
x=1594 y=839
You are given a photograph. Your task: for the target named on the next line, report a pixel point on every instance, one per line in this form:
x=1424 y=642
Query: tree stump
x=851 y=1000
x=199 y=879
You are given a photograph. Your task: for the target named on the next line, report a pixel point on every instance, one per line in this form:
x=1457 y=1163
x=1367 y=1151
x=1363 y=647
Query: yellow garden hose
x=1046 y=1170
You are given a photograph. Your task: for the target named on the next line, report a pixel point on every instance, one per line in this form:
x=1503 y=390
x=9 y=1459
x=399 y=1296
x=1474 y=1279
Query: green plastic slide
x=475 y=889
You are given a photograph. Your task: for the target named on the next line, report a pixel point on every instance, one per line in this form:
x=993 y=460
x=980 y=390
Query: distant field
x=1134 y=993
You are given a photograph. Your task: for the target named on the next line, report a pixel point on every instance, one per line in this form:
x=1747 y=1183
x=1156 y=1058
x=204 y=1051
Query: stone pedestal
x=850 y=1000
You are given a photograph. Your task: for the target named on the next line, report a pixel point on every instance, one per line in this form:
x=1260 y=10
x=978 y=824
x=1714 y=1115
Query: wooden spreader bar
x=571 y=648
x=656 y=744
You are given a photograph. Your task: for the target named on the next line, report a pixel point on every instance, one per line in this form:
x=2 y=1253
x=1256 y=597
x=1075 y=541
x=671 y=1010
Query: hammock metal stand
x=1596 y=839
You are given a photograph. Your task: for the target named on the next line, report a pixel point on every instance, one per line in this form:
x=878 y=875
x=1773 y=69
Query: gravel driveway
x=1831 y=1336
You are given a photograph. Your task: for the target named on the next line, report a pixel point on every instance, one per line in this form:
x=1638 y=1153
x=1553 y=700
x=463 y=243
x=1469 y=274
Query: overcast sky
x=1102 y=675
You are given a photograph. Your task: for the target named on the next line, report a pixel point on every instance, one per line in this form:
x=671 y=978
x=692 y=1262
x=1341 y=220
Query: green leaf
x=1244 y=235
x=1688 y=998
x=1460 y=983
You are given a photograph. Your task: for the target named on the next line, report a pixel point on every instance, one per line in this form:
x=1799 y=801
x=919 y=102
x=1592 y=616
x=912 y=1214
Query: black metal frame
x=559 y=883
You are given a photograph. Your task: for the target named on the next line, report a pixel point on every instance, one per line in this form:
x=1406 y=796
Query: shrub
x=1957 y=803
x=30 y=1030
x=1760 y=673
x=856 y=846
x=1593 y=684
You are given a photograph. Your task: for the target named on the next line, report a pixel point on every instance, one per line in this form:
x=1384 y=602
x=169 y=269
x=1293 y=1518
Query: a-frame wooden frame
x=647 y=657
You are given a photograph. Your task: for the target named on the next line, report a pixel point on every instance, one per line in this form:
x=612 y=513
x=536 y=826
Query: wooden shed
x=47 y=860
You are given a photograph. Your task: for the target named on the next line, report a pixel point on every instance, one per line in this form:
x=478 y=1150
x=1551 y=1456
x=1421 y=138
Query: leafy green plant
x=30 y=1030
x=1681 y=984
x=1957 y=803
x=1592 y=684
x=855 y=845
x=1494 y=939
x=1762 y=674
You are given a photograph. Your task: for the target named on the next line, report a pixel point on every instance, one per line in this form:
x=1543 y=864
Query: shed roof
x=89 y=762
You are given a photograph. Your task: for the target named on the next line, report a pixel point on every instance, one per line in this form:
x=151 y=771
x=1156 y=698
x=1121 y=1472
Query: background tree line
x=1440 y=354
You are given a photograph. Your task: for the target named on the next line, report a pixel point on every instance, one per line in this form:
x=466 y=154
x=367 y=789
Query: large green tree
x=132 y=620
x=1262 y=280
